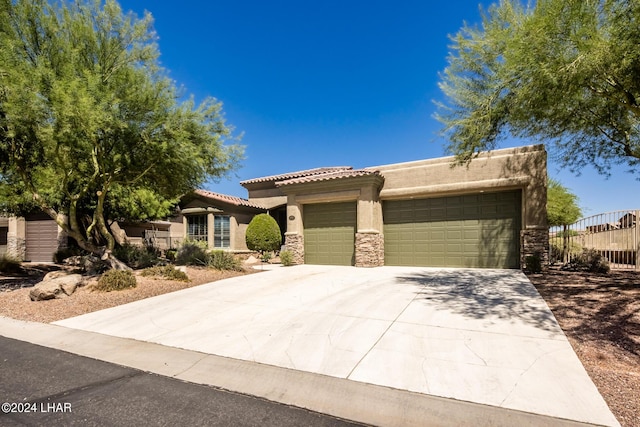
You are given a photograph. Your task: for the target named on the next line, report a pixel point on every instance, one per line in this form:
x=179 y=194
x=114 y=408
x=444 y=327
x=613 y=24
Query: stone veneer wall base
x=535 y=242
x=294 y=243
x=369 y=249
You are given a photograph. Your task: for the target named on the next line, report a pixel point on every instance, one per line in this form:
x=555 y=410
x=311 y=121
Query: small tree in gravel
x=263 y=234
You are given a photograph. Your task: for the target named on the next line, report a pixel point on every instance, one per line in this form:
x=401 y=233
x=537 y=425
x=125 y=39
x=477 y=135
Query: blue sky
x=331 y=83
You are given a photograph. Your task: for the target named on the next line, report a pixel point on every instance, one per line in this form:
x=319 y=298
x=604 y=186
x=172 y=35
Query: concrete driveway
x=483 y=336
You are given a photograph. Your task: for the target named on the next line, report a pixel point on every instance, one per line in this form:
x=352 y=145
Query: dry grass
x=600 y=314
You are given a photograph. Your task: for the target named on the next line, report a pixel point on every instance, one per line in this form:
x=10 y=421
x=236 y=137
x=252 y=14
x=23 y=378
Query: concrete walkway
x=386 y=346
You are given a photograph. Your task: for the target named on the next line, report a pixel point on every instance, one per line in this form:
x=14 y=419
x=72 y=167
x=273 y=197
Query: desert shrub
x=266 y=256
x=263 y=234
x=533 y=264
x=222 y=260
x=589 y=260
x=116 y=280
x=555 y=245
x=171 y=254
x=166 y=271
x=9 y=264
x=136 y=256
x=192 y=252
x=286 y=258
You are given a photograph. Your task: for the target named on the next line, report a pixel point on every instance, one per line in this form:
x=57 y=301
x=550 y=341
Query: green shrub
x=222 y=260
x=532 y=263
x=166 y=271
x=116 y=280
x=192 y=252
x=589 y=260
x=136 y=256
x=171 y=254
x=286 y=258
x=263 y=234
x=9 y=264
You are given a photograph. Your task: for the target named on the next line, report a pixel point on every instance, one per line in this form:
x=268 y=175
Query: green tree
x=564 y=71
x=91 y=127
x=562 y=210
x=263 y=234
x=562 y=204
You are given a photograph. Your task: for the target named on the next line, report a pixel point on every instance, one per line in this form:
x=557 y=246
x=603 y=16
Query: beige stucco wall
x=363 y=190
x=522 y=168
x=265 y=194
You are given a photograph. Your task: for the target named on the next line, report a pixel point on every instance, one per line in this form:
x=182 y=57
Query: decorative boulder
x=59 y=287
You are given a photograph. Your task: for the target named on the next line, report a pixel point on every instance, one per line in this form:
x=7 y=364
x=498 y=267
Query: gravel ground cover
x=15 y=302
x=600 y=314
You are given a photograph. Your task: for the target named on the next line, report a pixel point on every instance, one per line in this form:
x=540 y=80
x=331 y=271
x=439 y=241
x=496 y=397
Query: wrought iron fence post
x=637 y=238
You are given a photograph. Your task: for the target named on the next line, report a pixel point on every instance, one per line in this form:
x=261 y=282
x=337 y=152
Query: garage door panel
x=329 y=233
x=479 y=230
x=41 y=240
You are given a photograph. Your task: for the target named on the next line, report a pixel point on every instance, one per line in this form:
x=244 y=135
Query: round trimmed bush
x=263 y=234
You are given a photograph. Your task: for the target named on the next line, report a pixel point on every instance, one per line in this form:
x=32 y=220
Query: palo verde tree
x=562 y=210
x=562 y=204
x=91 y=127
x=566 y=72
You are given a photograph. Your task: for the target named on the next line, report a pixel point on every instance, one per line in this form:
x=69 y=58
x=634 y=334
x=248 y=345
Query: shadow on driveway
x=484 y=294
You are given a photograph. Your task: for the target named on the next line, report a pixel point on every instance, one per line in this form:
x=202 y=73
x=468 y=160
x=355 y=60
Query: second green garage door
x=329 y=233
x=478 y=230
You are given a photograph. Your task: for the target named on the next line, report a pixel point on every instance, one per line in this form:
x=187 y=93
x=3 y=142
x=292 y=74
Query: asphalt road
x=43 y=386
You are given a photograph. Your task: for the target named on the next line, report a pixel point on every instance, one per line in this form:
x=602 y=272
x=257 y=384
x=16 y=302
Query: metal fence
x=614 y=235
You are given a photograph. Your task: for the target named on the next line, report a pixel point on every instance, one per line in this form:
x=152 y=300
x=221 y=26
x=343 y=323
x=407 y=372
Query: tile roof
x=237 y=201
x=299 y=174
x=338 y=174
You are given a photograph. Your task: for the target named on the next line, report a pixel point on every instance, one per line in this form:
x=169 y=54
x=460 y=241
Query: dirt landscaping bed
x=15 y=301
x=600 y=314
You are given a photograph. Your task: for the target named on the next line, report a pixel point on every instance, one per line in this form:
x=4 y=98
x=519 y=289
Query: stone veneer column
x=16 y=242
x=369 y=249
x=535 y=241
x=294 y=243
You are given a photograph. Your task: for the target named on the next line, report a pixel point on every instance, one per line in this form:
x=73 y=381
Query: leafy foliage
x=9 y=264
x=192 y=252
x=589 y=260
x=166 y=271
x=286 y=258
x=263 y=234
x=116 y=280
x=566 y=72
x=221 y=260
x=562 y=205
x=91 y=125
x=136 y=256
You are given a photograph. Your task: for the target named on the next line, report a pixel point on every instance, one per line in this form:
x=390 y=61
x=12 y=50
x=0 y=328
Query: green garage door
x=329 y=233
x=478 y=230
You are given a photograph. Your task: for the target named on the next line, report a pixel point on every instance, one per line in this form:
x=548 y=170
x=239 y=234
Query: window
x=221 y=232
x=197 y=227
x=3 y=235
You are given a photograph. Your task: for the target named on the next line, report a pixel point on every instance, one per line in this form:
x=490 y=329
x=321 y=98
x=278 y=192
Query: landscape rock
x=251 y=260
x=54 y=275
x=59 y=287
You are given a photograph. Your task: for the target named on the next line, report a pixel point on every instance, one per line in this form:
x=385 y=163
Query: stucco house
x=491 y=213
x=217 y=219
